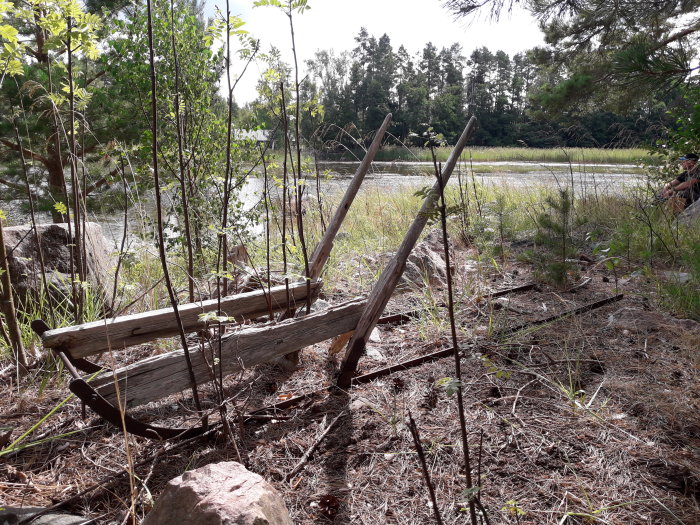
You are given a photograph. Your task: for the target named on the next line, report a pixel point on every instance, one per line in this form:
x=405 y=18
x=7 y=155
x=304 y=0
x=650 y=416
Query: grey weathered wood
x=323 y=249
x=389 y=278
x=154 y=378
x=117 y=333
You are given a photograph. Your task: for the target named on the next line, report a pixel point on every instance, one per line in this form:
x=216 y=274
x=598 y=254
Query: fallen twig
x=424 y=467
x=307 y=455
x=551 y=318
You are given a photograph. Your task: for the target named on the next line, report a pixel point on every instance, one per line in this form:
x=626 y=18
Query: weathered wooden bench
x=75 y=344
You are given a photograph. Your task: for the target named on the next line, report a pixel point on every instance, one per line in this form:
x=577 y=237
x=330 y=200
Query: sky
x=333 y=24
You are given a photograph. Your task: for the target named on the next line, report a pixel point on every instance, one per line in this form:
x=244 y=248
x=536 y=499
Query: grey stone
x=426 y=264
x=14 y=515
x=25 y=267
x=219 y=494
x=677 y=277
x=252 y=280
x=643 y=321
x=691 y=215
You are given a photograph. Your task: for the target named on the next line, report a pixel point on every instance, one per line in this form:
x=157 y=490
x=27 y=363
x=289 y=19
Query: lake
x=392 y=177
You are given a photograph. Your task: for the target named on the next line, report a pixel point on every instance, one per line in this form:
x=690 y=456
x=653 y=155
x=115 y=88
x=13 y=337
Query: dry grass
x=578 y=422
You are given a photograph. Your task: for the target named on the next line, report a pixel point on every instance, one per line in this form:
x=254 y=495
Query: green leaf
x=263 y=3
x=61 y=208
x=450 y=384
x=8 y=32
x=468 y=494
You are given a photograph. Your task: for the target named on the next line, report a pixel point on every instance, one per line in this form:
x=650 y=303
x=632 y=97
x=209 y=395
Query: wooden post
x=7 y=305
x=324 y=247
x=389 y=278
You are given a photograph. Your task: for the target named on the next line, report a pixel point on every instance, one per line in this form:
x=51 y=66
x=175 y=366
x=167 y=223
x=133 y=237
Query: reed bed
x=516 y=154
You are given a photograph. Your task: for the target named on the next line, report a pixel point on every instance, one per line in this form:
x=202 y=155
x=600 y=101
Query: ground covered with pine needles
x=592 y=418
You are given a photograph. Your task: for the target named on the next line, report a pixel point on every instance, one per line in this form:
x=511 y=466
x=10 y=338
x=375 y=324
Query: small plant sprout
x=450 y=384
x=513 y=509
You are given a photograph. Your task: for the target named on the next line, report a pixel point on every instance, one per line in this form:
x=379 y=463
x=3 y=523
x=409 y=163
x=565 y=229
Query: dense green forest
x=440 y=87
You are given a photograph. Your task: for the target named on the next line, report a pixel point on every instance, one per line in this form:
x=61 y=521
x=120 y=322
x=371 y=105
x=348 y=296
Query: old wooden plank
x=389 y=278
x=97 y=337
x=154 y=378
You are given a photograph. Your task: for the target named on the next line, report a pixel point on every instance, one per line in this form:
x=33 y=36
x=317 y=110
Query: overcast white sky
x=333 y=24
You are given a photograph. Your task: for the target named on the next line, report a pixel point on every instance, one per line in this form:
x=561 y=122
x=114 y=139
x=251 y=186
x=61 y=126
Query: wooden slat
x=389 y=278
x=154 y=378
x=117 y=333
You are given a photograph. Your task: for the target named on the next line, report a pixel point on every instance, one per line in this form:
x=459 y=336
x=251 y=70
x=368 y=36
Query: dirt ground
x=592 y=418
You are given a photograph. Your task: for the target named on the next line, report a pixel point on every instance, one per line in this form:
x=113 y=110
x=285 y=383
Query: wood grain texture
x=154 y=378
x=117 y=333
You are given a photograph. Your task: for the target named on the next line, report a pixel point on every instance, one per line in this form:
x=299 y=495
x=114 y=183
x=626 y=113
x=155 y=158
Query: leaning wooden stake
x=323 y=249
x=392 y=273
x=7 y=305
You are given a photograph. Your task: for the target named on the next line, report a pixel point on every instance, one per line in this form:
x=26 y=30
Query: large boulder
x=426 y=264
x=219 y=494
x=25 y=266
x=691 y=215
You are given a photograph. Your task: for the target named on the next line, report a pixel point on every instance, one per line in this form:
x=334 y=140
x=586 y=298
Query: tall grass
x=623 y=229
x=514 y=154
x=625 y=233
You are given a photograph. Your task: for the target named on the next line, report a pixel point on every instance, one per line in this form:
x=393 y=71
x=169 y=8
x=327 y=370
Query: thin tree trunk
x=8 y=305
x=181 y=161
x=30 y=197
x=159 y=210
x=299 y=186
x=285 y=129
x=78 y=237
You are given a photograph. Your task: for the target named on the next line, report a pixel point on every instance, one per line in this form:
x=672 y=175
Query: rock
x=252 y=280
x=643 y=321
x=320 y=305
x=426 y=264
x=374 y=353
x=25 y=267
x=677 y=277
x=15 y=515
x=691 y=215
x=219 y=494
x=238 y=255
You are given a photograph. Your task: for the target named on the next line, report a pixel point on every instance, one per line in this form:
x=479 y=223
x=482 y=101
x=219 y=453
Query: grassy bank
x=622 y=232
x=506 y=154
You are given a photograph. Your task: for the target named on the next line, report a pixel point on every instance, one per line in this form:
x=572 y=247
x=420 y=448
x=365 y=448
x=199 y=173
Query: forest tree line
x=74 y=95
x=441 y=87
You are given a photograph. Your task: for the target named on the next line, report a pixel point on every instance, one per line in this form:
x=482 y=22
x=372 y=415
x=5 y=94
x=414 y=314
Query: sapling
x=159 y=210
x=554 y=234
x=453 y=331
